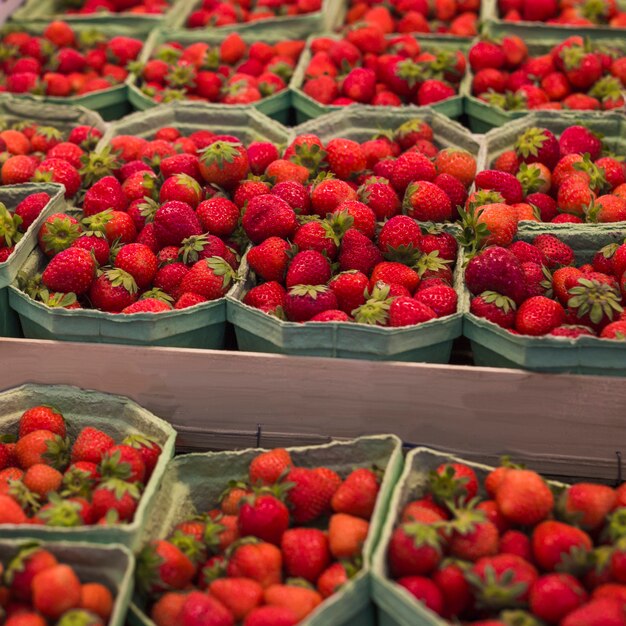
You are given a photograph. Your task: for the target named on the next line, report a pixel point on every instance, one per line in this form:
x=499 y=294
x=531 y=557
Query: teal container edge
x=187 y=477
x=493 y=346
x=307 y=108
x=277 y=106
x=11 y=196
x=116 y=415
x=112 y=565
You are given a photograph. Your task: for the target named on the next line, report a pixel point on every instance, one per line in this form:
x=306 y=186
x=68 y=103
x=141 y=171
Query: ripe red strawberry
x=538 y=316
x=455 y=590
x=268 y=467
x=319 y=236
x=425 y=591
x=269 y=259
x=294 y=194
x=113 y=291
x=311 y=495
x=506 y=184
x=308 y=267
x=23 y=568
x=496 y=269
x=267 y=216
x=105 y=194
x=305 y=301
x=116 y=495
x=148 y=449
x=218 y=216
x=486 y=54
x=411 y=167
x=587 y=505
x=600 y=612
x=175 y=221
x=224 y=163
x=349 y=289
x=357 y=494
x=556 y=252
x=414 y=550
x=90 y=445
x=405 y=311
x=239 y=595
x=259 y=561
x=161 y=566
x=557 y=545
x=271 y=616
x=538 y=145
x=139 y=261
x=523 y=497
x=42 y=418
x=306 y=553
x=59 y=171
x=495 y=308
x=55 y=590
x=426 y=201
x=263 y=516
x=71 y=270
x=210 y=278
x=510 y=575
x=30 y=208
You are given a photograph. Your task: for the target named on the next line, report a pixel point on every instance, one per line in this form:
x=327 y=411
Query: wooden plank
x=568 y=425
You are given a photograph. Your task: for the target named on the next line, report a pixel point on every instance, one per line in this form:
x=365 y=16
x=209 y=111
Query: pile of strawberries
x=549 y=179
x=270 y=551
x=137 y=7
x=367 y=67
x=519 y=551
x=45 y=478
x=216 y=13
x=564 y=13
x=38 y=590
x=536 y=289
x=62 y=62
x=574 y=74
x=232 y=72
x=16 y=221
x=32 y=152
x=417 y=16
x=146 y=244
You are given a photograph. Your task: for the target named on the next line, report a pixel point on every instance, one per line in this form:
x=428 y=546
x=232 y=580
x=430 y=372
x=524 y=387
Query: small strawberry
x=495 y=308
x=161 y=566
x=539 y=316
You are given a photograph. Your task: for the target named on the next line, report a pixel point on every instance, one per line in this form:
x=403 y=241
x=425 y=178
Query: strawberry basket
x=246 y=123
x=11 y=196
x=395 y=605
x=483 y=116
x=308 y=108
x=111 y=565
x=62 y=117
x=200 y=326
x=497 y=25
x=42 y=12
x=194 y=482
x=494 y=346
x=276 y=106
x=111 y=103
x=300 y=25
x=116 y=416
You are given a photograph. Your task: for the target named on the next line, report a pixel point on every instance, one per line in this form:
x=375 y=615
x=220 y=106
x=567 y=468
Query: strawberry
x=414 y=550
x=42 y=418
x=455 y=590
x=523 y=497
x=265 y=517
x=538 y=145
x=311 y=495
x=502 y=580
x=239 y=595
x=268 y=467
x=122 y=461
x=305 y=301
x=345 y=157
x=268 y=216
x=59 y=171
x=113 y=291
x=308 y=267
x=424 y=590
x=294 y=194
x=213 y=612
x=506 y=184
x=175 y=221
x=55 y=590
x=30 y=208
x=559 y=546
x=426 y=202
x=554 y=596
x=556 y=252
x=301 y=600
x=218 y=216
x=270 y=259
x=495 y=308
x=22 y=569
x=306 y=553
x=42 y=479
x=496 y=269
x=224 y=163
x=357 y=494
x=117 y=495
x=486 y=54
x=17 y=169
x=11 y=512
x=349 y=289
x=259 y=561
x=271 y=616
x=539 y=316
x=601 y=612
x=90 y=445
x=411 y=167
x=97 y=599
x=587 y=505
x=210 y=278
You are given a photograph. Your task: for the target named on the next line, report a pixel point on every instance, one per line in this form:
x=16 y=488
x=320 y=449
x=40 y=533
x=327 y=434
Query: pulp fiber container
x=610 y=125
x=395 y=605
x=296 y=25
x=496 y=347
x=194 y=482
x=276 y=106
x=63 y=117
x=111 y=565
x=42 y=12
x=307 y=108
x=490 y=15
x=244 y=122
x=115 y=415
x=199 y=326
x=483 y=116
x=11 y=196
x=256 y=331
x=110 y=103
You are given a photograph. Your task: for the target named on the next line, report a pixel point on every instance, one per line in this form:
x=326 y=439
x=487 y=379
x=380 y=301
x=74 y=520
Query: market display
x=300 y=179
